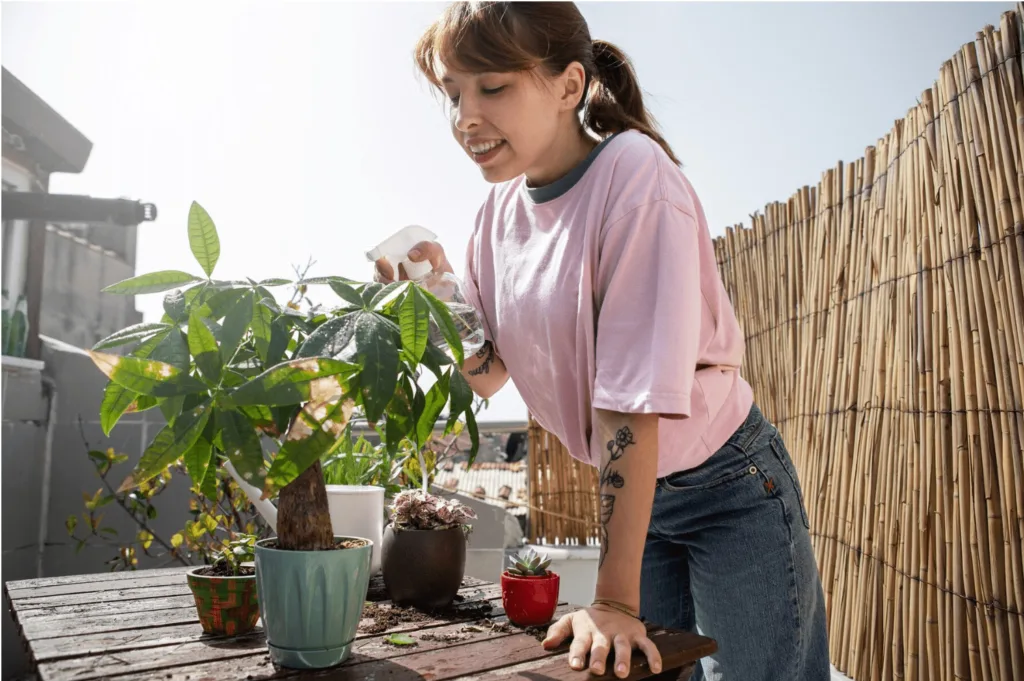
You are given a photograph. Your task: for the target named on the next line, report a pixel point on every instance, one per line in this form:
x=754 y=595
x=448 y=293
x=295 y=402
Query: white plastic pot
x=358 y=511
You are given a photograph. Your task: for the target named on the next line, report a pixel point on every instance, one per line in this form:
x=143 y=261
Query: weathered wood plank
x=253 y=648
x=161 y=578
x=44 y=628
x=127 y=608
x=436 y=664
x=148 y=630
x=92 y=577
x=138 y=593
x=679 y=651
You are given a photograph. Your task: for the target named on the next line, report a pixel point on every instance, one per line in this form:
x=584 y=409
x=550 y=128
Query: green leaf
x=461 y=398
x=387 y=294
x=203 y=239
x=414 y=316
x=262 y=320
x=400 y=640
x=312 y=434
x=168 y=445
x=280 y=334
x=216 y=305
x=275 y=282
x=197 y=460
x=146 y=376
x=437 y=396
x=203 y=346
x=177 y=539
x=443 y=318
x=378 y=355
x=172 y=407
x=312 y=281
x=116 y=400
x=242 y=445
x=474 y=436
x=130 y=334
x=292 y=382
x=155 y=282
x=435 y=360
x=346 y=292
x=208 y=487
x=330 y=338
x=369 y=292
x=71 y=523
x=171 y=349
x=236 y=324
x=174 y=306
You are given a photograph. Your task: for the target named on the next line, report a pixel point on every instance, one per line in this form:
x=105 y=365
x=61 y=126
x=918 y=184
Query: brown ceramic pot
x=423 y=568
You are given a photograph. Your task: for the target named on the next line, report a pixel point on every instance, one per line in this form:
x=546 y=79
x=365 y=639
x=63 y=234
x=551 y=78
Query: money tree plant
x=271 y=388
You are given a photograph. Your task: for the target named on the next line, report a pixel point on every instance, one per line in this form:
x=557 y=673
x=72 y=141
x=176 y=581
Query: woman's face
x=507 y=122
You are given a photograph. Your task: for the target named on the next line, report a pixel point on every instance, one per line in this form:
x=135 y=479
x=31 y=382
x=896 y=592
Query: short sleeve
x=471 y=286
x=649 y=312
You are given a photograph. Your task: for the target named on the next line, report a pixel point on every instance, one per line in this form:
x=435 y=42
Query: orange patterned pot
x=227 y=606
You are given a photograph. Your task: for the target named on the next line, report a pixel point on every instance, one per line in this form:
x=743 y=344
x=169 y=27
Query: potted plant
x=234 y=370
x=358 y=477
x=529 y=591
x=424 y=552
x=225 y=592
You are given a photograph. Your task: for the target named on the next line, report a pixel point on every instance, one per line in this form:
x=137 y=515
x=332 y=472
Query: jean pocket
x=726 y=465
x=781 y=454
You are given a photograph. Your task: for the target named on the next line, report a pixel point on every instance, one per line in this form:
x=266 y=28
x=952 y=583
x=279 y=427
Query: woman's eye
x=454 y=99
x=492 y=91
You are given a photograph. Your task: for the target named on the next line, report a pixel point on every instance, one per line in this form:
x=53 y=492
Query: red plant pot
x=529 y=601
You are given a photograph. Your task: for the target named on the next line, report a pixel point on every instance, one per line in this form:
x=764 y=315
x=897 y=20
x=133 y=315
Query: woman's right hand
x=424 y=250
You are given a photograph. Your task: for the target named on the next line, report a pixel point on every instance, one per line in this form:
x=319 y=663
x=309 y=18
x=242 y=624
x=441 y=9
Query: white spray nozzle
x=395 y=249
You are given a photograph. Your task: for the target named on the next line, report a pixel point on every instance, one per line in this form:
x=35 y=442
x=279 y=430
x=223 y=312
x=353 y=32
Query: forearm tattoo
x=611 y=480
x=486 y=353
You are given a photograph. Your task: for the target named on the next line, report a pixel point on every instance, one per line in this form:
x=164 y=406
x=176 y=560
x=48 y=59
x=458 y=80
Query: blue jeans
x=728 y=554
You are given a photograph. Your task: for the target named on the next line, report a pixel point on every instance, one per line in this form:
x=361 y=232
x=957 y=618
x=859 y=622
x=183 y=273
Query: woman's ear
x=572 y=86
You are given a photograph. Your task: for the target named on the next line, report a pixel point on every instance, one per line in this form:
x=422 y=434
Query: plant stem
x=120 y=502
x=423 y=471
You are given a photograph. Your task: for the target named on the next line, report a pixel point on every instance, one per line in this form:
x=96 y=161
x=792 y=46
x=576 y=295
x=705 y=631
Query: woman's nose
x=467 y=114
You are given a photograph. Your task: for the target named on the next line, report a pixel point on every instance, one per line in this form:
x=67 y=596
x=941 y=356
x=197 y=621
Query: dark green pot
x=311 y=602
x=227 y=606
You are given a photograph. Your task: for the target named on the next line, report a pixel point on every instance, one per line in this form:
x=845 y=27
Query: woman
x=594 y=274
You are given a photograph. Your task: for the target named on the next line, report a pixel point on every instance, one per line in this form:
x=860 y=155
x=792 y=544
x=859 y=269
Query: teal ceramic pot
x=311 y=602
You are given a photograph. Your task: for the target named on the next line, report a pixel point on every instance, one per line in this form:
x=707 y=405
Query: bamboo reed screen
x=884 y=319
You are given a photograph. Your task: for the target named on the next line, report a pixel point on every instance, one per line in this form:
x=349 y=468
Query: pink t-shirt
x=601 y=291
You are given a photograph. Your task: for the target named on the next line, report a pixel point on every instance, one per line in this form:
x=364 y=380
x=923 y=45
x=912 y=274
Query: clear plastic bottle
x=444 y=285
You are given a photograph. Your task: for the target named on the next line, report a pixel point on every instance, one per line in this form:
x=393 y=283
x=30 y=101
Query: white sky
x=305 y=131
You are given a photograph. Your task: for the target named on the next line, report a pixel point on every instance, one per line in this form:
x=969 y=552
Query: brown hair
x=500 y=37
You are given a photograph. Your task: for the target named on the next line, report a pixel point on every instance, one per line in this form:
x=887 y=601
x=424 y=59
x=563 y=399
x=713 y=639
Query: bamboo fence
x=884 y=317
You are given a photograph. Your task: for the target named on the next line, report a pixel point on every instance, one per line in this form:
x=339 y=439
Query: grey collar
x=550 y=192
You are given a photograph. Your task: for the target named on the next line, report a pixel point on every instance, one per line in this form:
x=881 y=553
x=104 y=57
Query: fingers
x=599 y=654
x=384 y=273
x=558 y=632
x=623 y=656
x=578 y=651
x=648 y=648
x=432 y=251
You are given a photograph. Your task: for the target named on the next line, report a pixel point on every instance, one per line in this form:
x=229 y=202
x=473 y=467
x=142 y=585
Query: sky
x=305 y=131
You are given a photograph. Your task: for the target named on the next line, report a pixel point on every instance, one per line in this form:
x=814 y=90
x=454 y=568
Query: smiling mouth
x=485 y=151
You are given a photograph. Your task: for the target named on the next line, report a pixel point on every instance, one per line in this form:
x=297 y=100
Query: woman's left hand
x=600 y=631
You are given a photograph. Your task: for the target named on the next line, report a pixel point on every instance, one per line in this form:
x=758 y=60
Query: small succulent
x=529 y=564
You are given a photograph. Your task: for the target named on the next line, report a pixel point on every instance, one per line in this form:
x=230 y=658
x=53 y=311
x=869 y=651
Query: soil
x=386 y=617
x=346 y=544
x=222 y=570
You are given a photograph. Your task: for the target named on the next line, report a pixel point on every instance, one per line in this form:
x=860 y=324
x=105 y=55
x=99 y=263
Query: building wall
x=74 y=309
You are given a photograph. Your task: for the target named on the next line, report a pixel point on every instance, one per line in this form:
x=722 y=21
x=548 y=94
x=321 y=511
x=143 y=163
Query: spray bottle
x=446 y=286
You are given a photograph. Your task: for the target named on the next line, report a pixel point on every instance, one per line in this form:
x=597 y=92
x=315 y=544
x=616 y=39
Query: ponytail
x=615 y=103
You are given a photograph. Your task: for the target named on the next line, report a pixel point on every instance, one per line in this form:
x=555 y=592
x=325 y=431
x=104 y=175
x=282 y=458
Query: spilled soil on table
x=386 y=616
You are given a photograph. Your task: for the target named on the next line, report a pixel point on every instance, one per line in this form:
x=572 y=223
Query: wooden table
x=143 y=625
